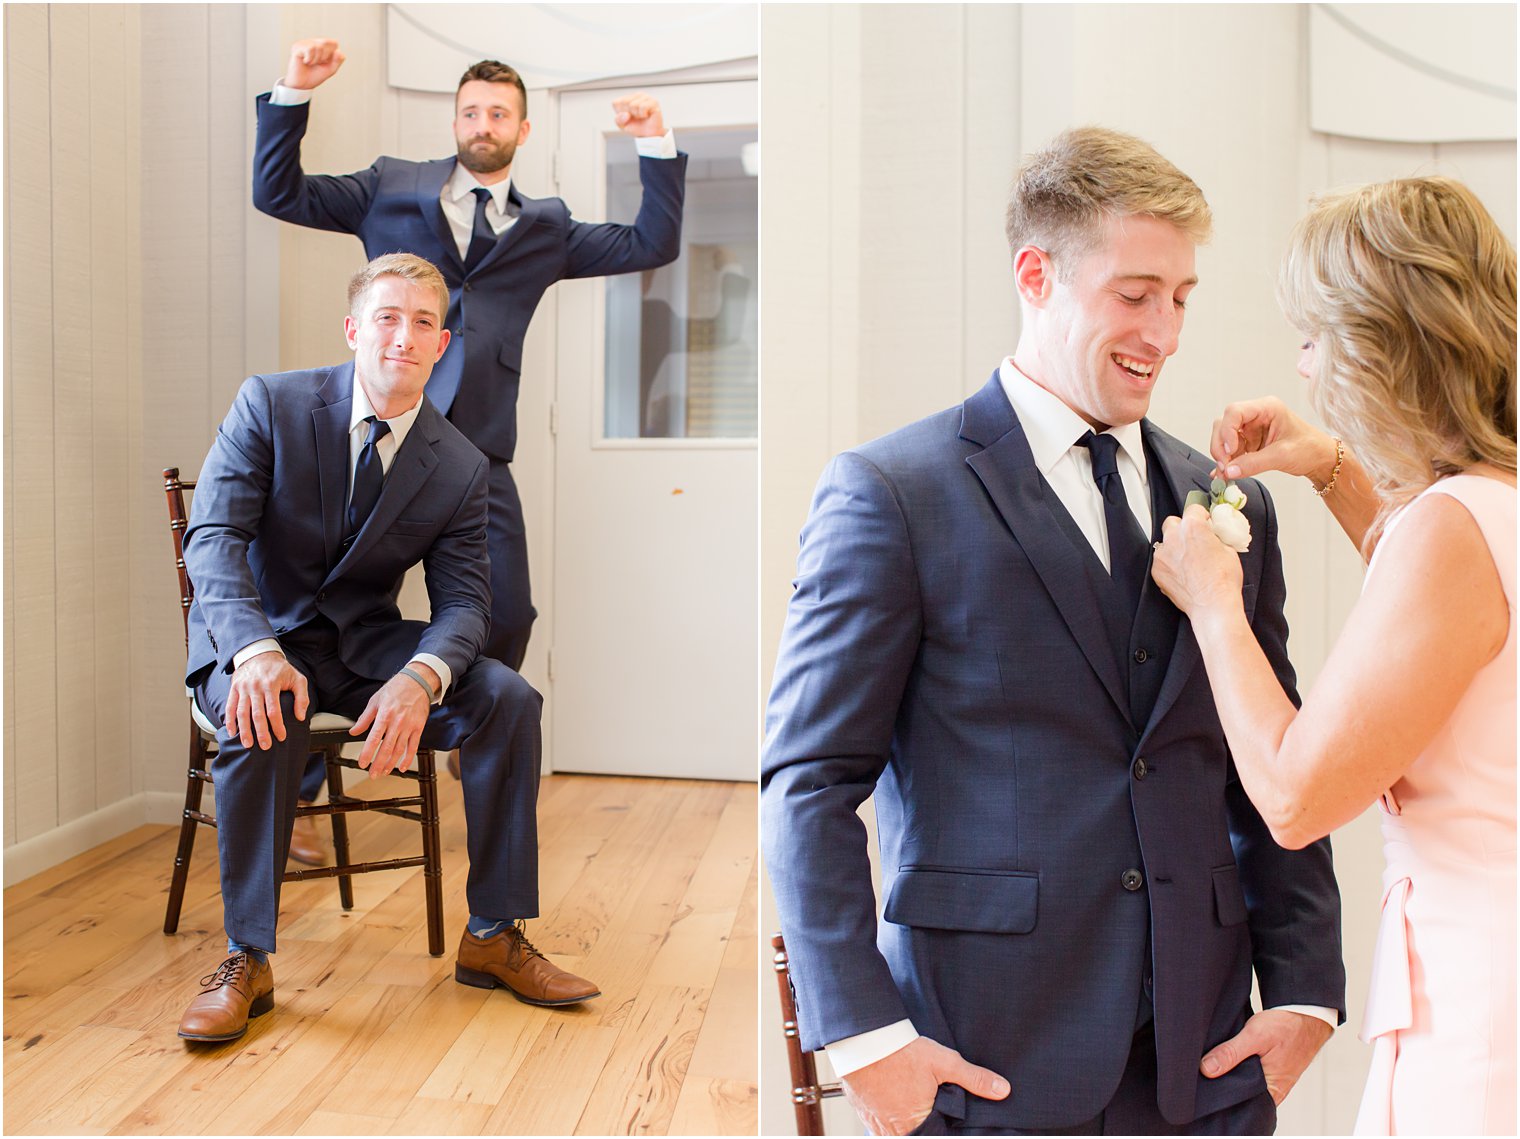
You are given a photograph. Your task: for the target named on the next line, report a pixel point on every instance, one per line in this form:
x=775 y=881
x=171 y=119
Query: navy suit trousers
x=490 y=714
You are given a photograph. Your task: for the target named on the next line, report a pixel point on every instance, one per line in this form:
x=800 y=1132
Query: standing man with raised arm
x=499 y=251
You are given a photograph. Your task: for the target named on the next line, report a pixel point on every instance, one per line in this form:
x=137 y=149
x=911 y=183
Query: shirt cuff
x=437 y=665
x=283 y=96
x=855 y=1052
x=267 y=645
x=1329 y=1015
x=662 y=147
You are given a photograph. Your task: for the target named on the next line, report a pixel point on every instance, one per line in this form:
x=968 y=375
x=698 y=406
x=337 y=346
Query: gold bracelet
x=1335 y=473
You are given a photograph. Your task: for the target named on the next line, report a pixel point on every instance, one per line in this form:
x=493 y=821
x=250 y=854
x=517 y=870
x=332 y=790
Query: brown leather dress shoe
x=509 y=960
x=240 y=988
x=305 y=844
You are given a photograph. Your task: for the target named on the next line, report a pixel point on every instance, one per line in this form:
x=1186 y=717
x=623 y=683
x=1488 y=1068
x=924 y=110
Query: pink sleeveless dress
x=1441 y=1010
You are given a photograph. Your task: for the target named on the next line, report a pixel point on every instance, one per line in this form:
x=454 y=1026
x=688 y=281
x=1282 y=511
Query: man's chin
x=487 y=162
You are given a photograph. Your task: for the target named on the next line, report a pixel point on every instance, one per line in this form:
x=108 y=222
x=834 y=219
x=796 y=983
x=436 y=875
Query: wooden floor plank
x=644 y=887
x=716 y=1107
x=541 y=1101
x=637 y=1089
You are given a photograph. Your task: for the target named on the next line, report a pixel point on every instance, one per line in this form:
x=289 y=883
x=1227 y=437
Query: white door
x=653 y=665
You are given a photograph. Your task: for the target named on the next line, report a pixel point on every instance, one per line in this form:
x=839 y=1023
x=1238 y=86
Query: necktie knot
x=378 y=430
x=482 y=196
x=1105 y=454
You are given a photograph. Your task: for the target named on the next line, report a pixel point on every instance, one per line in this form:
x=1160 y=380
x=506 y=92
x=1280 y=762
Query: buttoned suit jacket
x=265 y=545
x=394 y=207
x=944 y=649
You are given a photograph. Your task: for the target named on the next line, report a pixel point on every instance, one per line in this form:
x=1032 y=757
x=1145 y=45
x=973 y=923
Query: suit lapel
x=331 y=423
x=431 y=177
x=1021 y=496
x=1184 y=472
x=530 y=211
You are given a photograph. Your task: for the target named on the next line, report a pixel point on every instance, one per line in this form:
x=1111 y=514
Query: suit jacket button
x=1141 y=768
x=1141 y=656
x=1132 y=880
x=466 y=286
x=322 y=596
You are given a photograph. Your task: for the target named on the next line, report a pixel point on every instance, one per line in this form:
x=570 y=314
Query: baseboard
x=44 y=851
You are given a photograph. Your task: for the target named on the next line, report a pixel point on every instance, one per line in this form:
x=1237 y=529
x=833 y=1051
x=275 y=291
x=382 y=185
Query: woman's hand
x=1263 y=435
x=1194 y=568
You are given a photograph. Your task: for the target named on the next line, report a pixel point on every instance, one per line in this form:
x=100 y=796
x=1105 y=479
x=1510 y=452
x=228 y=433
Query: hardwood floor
x=648 y=887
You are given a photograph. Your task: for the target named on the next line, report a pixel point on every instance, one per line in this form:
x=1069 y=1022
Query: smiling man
x=322 y=489
x=1076 y=890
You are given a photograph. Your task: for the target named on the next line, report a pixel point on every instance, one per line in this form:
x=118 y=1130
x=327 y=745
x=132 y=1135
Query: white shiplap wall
x=891 y=135
x=126 y=192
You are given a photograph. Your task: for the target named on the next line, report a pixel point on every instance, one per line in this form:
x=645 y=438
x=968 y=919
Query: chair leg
x=339 y=826
x=187 y=827
x=432 y=854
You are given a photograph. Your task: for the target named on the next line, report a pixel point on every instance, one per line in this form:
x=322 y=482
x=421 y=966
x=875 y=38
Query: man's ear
x=351 y=331
x=1033 y=275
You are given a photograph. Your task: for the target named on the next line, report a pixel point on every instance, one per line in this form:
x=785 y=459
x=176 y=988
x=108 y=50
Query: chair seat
x=321 y=722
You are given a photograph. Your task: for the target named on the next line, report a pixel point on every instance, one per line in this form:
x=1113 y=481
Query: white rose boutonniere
x=1225 y=503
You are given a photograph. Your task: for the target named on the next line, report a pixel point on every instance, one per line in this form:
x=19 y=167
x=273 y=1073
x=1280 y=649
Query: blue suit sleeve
x=603 y=248
x=851 y=636
x=1291 y=895
x=224 y=519
x=283 y=190
x=457 y=572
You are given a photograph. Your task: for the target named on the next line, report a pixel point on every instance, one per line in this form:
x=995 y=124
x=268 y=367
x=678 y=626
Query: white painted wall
x=891 y=135
x=125 y=328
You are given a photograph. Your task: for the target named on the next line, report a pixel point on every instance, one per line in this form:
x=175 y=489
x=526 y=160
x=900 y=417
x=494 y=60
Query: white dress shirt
x=457 y=199
x=1052 y=430
x=386 y=448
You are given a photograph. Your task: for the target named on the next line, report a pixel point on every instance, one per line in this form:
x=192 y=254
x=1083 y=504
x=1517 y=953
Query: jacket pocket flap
x=985 y=901
x=1229 y=902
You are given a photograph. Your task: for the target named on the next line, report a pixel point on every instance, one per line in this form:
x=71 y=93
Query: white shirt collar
x=363 y=409
x=1052 y=428
x=462 y=182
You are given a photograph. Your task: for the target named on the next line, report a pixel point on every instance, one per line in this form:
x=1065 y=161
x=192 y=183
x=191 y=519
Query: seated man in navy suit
x=498 y=249
x=1076 y=889
x=322 y=489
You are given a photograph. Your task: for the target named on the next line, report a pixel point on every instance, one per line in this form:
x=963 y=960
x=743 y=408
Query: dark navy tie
x=369 y=475
x=1128 y=555
x=482 y=237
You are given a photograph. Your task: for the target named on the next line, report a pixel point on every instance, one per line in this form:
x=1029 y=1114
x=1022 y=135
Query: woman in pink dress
x=1405 y=292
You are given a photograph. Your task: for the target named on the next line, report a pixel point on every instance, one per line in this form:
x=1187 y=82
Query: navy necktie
x=482 y=237
x=369 y=475
x=1128 y=556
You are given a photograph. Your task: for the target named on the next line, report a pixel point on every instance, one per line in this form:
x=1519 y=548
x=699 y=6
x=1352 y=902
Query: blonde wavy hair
x=1063 y=193
x=1407 y=289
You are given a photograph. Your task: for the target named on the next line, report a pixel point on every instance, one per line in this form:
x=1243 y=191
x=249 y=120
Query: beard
x=487 y=159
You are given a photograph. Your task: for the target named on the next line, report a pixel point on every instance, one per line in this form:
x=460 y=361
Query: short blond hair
x=407 y=266
x=1063 y=194
x=1407 y=289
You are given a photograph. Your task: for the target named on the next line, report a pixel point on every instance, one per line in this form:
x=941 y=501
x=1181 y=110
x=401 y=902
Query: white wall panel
x=29 y=328
x=73 y=426
x=110 y=406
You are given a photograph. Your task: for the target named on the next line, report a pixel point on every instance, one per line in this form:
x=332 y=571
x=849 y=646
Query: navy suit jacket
x=944 y=650
x=393 y=208
x=264 y=546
